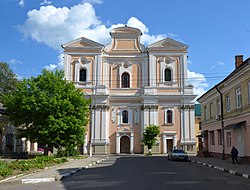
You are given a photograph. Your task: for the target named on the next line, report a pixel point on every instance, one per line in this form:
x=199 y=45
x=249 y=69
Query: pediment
x=82 y=43
x=168 y=43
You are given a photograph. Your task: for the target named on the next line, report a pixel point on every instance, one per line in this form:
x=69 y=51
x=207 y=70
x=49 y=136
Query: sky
x=32 y=31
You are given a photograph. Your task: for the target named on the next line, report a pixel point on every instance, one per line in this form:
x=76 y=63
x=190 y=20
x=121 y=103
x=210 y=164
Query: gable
x=82 y=43
x=168 y=44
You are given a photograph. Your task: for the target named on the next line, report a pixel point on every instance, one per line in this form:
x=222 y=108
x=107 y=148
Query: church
x=133 y=86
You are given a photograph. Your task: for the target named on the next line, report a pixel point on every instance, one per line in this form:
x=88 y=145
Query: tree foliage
x=149 y=136
x=8 y=80
x=49 y=110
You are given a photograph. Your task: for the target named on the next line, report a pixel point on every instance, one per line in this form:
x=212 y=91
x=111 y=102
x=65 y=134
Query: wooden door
x=125 y=145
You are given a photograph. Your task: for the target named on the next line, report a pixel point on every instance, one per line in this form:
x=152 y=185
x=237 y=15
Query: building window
x=228 y=139
x=219 y=136
x=125 y=80
x=218 y=106
x=83 y=75
x=249 y=92
x=9 y=141
x=238 y=98
x=228 y=106
x=211 y=109
x=205 y=113
x=212 y=142
x=169 y=116
x=199 y=125
x=125 y=116
x=167 y=75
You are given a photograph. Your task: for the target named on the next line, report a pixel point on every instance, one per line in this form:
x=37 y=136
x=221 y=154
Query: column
x=77 y=65
x=175 y=141
x=164 y=144
x=14 y=143
x=117 y=143
x=3 y=143
x=182 y=125
x=132 y=143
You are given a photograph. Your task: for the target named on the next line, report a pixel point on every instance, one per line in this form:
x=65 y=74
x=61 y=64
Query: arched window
x=125 y=116
x=83 y=75
x=169 y=116
x=125 y=80
x=167 y=75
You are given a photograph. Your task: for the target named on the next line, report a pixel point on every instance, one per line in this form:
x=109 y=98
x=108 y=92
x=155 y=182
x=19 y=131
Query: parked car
x=177 y=154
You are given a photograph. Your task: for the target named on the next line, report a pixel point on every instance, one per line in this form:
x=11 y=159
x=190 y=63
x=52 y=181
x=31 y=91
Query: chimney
x=238 y=61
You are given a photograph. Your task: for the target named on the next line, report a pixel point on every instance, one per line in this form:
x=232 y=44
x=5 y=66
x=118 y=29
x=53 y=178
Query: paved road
x=147 y=173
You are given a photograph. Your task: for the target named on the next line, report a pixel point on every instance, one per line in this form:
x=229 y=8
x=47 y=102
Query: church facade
x=133 y=86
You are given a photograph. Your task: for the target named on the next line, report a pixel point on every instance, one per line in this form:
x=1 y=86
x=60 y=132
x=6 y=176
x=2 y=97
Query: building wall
x=148 y=97
x=235 y=119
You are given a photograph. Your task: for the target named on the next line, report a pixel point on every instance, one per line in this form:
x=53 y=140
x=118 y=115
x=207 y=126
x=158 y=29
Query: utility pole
x=222 y=122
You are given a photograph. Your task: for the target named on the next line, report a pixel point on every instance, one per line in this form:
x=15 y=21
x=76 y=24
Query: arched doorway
x=125 y=145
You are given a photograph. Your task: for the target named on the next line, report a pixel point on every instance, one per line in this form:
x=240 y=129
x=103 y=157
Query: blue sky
x=216 y=30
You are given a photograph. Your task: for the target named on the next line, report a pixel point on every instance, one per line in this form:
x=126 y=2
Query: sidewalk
x=57 y=172
x=242 y=170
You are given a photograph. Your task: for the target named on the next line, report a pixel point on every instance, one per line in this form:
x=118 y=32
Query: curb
x=62 y=176
x=233 y=172
x=79 y=169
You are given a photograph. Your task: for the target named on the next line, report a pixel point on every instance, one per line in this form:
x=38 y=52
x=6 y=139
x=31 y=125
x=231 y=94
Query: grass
x=16 y=167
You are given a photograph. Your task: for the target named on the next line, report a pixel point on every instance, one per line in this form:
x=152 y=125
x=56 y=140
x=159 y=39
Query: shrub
x=4 y=169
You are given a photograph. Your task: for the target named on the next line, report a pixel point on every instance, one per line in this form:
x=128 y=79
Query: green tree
x=8 y=80
x=49 y=110
x=149 y=136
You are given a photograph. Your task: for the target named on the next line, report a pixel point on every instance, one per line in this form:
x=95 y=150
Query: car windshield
x=178 y=151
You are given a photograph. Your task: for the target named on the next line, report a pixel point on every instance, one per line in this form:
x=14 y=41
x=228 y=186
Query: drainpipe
x=222 y=122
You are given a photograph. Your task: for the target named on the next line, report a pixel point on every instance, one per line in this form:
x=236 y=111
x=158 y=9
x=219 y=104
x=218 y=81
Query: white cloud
x=45 y=2
x=55 y=26
x=219 y=63
x=198 y=81
x=58 y=66
x=21 y=3
x=14 y=61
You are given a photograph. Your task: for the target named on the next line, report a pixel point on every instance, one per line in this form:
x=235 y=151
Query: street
x=139 y=172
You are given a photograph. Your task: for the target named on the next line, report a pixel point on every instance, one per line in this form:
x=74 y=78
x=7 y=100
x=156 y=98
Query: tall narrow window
x=229 y=139
x=205 y=113
x=218 y=106
x=249 y=92
x=125 y=80
x=211 y=109
x=219 y=132
x=125 y=116
x=83 y=75
x=238 y=98
x=167 y=75
x=212 y=142
x=169 y=116
x=228 y=106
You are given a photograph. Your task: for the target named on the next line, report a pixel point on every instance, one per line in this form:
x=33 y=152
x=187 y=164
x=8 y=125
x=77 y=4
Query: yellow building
x=226 y=113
